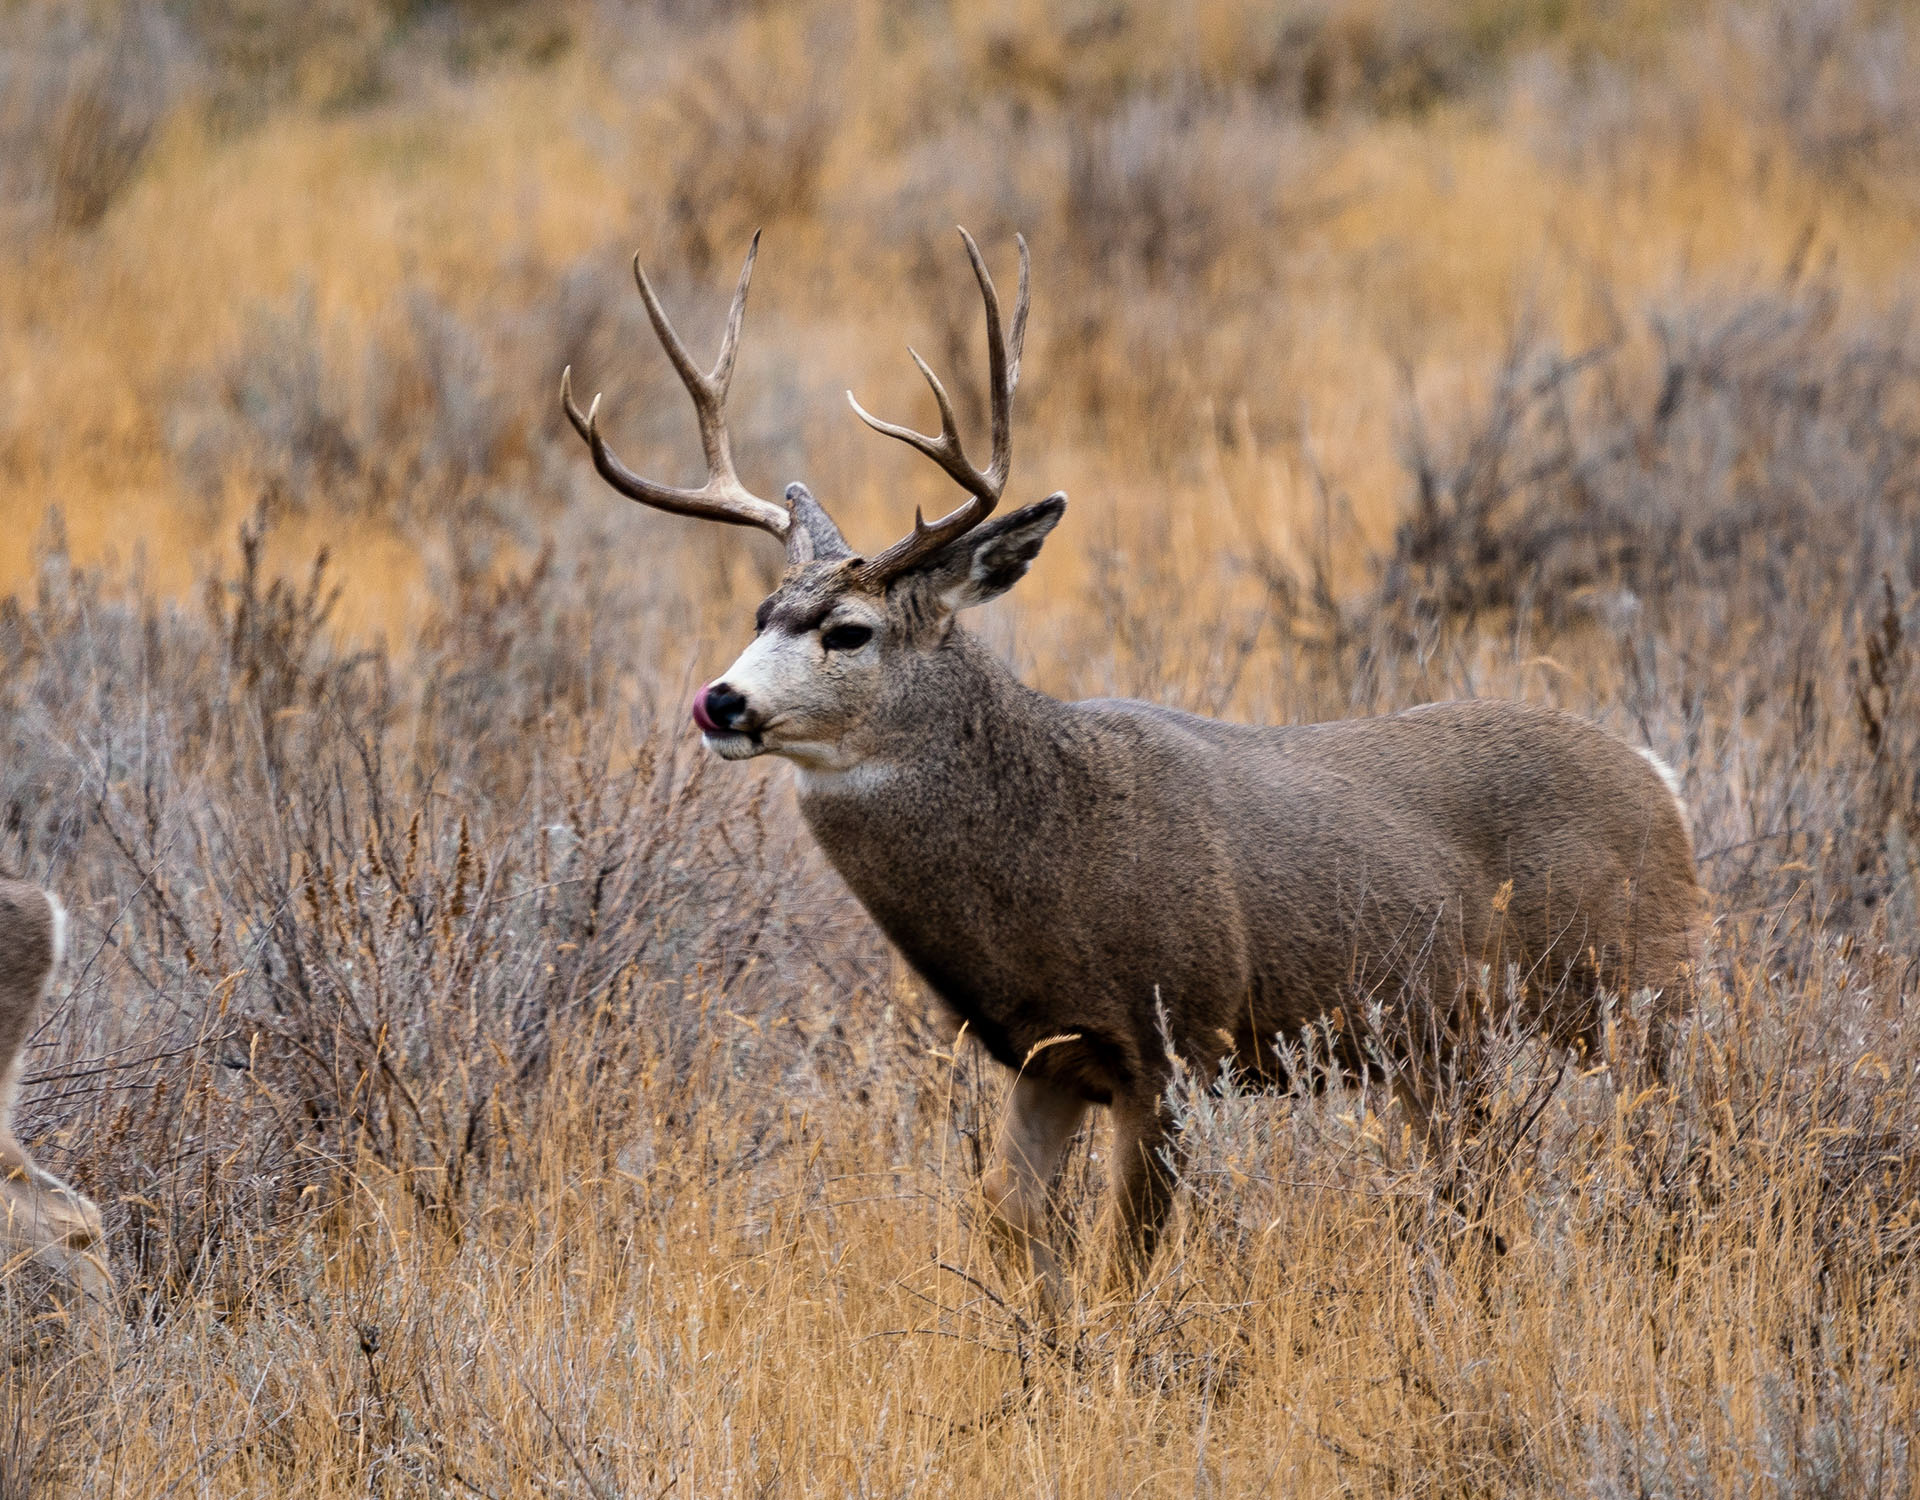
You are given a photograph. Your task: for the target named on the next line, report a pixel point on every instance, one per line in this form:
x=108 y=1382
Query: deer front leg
x=1035 y=1131
x=1143 y=1184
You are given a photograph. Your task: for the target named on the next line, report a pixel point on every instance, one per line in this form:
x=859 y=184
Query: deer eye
x=846 y=637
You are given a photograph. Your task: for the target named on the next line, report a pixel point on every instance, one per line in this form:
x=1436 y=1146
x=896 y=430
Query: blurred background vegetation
x=1291 y=261
x=488 y=1095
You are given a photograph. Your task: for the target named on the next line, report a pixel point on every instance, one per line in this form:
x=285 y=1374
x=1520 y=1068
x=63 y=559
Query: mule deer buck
x=41 y=1218
x=1097 y=887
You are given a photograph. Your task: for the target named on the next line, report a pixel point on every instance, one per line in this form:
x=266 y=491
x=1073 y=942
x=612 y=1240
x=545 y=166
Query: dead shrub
x=82 y=98
x=1165 y=186
x=755 y=144
x=1762 y=436
x=417 y=422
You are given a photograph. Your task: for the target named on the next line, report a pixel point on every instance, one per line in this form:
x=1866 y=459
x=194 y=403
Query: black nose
x=724 y=706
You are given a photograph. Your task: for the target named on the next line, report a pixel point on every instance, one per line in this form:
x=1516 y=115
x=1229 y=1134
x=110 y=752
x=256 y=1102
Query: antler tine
x=1018 y=338
x=722 y=376
x=723 y=497
x=943 y=450
x=985 y=485
x=1000 y=402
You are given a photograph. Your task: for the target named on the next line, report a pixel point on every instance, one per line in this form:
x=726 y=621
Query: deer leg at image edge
x=42 y=1218
x=1035 y=1131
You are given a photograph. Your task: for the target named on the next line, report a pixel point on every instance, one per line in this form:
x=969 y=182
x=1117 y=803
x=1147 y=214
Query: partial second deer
x=42 y=1219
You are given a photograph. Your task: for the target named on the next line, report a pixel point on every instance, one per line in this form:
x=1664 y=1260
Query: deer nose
x=717 y=708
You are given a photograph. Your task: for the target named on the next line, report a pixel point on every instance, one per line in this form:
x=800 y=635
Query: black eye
x=845 y=637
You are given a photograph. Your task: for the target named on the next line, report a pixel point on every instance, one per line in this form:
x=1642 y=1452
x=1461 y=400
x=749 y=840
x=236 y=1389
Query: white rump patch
x=59 y=933
x=1670 y=778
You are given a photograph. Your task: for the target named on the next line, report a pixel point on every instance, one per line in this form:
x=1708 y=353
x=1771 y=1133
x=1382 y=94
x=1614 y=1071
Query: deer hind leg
x=1035 y=1131
x=1143 y=1187
x=1674 y=973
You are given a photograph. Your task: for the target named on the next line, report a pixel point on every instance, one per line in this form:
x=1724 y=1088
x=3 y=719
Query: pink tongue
x=700 y=714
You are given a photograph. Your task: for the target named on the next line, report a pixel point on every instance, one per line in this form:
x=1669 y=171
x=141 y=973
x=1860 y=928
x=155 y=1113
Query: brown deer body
x=41 y=1218
x=1090 y=884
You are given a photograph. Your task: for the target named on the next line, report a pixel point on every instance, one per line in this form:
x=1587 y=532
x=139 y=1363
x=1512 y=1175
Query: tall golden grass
x=488 y=1096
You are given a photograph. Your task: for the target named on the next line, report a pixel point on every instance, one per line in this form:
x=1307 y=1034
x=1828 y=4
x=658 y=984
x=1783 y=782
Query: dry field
x=489 y=1096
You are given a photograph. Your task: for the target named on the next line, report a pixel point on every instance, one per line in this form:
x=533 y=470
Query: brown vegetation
x=486 y=1094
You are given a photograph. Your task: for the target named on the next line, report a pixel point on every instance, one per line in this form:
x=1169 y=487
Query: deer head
x=840 y=646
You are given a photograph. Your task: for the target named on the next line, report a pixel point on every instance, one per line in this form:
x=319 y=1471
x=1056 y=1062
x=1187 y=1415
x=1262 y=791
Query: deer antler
x=723 y=497
x=1003 y=373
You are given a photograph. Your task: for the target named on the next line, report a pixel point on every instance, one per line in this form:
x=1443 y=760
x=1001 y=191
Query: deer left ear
x=995 y=555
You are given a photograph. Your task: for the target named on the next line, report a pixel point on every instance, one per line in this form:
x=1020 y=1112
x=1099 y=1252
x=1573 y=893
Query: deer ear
x=811 y=535
x=995 y=555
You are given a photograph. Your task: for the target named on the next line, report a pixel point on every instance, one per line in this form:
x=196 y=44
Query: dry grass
x=488 y=1095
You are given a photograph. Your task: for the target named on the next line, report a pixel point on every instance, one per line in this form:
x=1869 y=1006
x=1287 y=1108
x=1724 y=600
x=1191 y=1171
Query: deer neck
x=961 y=739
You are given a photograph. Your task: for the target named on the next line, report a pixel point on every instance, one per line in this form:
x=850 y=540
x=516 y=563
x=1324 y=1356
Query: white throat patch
x=851 y=781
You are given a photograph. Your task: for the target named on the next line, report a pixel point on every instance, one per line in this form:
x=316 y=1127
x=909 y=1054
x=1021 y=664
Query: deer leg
x=1671 y=1005
x=1418 y=1096
x=41 y=1218
x=1143 y=1184
x=1035 y=1131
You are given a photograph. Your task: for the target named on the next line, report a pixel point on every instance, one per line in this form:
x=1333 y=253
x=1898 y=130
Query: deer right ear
x=994 y=556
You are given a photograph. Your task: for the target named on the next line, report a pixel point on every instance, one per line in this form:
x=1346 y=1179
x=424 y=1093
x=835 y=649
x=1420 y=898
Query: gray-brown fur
x=1254 y=878
x=1082 y=869
x=41 y=1218
x=1066 y=875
